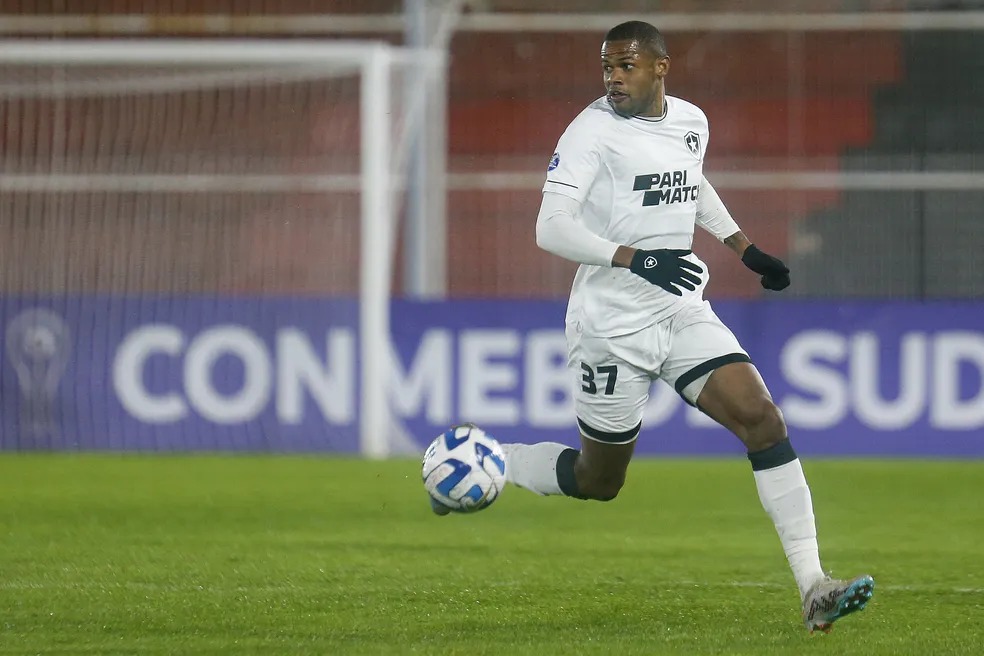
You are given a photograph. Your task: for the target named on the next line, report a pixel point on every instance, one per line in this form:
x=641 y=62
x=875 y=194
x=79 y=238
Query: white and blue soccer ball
x=464 y=468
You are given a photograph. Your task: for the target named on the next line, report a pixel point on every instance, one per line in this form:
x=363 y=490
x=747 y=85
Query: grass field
x=244 y=555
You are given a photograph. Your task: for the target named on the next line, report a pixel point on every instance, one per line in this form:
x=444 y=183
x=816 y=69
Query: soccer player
x=623 y=192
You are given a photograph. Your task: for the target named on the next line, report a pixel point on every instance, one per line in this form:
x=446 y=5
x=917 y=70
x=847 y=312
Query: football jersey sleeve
x=560 y=233
x=575 y=162
x=712 y=215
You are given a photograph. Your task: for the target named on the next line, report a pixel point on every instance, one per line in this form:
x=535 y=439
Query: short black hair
x=647 y=35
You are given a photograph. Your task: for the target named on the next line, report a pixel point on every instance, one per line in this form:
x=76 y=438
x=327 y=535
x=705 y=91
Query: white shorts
x=613 y=375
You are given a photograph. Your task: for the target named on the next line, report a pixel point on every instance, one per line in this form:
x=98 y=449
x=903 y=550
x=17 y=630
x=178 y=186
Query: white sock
x=786 y=497
x=534 y=467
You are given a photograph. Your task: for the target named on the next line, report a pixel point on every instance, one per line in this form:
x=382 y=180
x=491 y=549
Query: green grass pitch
x=279 y=555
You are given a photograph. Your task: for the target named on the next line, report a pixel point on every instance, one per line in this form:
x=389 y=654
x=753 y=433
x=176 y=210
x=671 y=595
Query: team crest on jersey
x=692 y=139
x=554 y=162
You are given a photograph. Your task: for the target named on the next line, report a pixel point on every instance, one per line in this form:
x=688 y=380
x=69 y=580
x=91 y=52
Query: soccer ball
x=464 y=468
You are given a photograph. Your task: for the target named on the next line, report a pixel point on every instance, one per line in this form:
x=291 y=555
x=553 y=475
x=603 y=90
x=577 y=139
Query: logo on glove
x=666 y=268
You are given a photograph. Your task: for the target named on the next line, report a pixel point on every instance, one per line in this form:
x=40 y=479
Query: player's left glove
x=775 y=274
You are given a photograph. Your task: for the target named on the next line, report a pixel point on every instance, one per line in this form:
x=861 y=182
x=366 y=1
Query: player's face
x=633 y=78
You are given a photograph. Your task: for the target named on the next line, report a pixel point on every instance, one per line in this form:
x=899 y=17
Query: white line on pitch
x=669 y=583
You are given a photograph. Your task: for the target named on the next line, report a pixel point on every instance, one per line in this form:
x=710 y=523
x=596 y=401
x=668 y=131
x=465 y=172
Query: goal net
x=196 y=241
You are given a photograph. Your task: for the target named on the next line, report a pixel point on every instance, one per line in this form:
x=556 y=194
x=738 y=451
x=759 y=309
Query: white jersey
x=638 y=180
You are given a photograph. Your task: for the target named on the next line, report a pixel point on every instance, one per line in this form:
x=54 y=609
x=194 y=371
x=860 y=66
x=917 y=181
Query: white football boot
x=831 y=599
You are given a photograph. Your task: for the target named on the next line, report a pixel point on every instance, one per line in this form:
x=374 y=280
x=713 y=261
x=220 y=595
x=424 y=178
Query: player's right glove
x=666 y=268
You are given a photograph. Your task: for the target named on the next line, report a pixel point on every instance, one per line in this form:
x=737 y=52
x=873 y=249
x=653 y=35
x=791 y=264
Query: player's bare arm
x=737 y=242
x=714 y=217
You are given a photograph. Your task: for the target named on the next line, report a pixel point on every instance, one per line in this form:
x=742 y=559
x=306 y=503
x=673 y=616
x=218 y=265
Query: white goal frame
x=377 y=182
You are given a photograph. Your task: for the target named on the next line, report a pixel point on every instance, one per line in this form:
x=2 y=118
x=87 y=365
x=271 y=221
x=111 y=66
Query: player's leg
x=708 y=367
x=609 y=397
x=596 y=471
x=736 y=397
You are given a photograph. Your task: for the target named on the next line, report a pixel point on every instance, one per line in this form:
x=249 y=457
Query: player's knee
x=763 y=423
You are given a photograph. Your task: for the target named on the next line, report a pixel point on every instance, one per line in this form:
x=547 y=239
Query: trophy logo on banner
x=38 y=344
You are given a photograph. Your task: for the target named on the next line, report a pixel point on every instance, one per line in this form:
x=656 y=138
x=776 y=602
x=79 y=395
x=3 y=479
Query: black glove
x=775 y=274
x=666 y=268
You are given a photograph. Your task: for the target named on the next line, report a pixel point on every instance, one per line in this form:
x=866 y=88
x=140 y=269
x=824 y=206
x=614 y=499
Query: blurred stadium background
x=240 y=227
x=159 y=206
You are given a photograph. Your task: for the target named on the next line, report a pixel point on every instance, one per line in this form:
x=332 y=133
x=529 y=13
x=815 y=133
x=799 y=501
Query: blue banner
x=222 y=374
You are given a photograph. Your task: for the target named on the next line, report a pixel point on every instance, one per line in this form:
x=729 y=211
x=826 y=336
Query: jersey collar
x=655 y=119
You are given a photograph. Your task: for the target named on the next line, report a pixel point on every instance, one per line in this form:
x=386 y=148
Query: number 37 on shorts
x=600 y=379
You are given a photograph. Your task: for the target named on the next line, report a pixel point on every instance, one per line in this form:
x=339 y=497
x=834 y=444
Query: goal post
x=217 y=145
x=376 y=259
